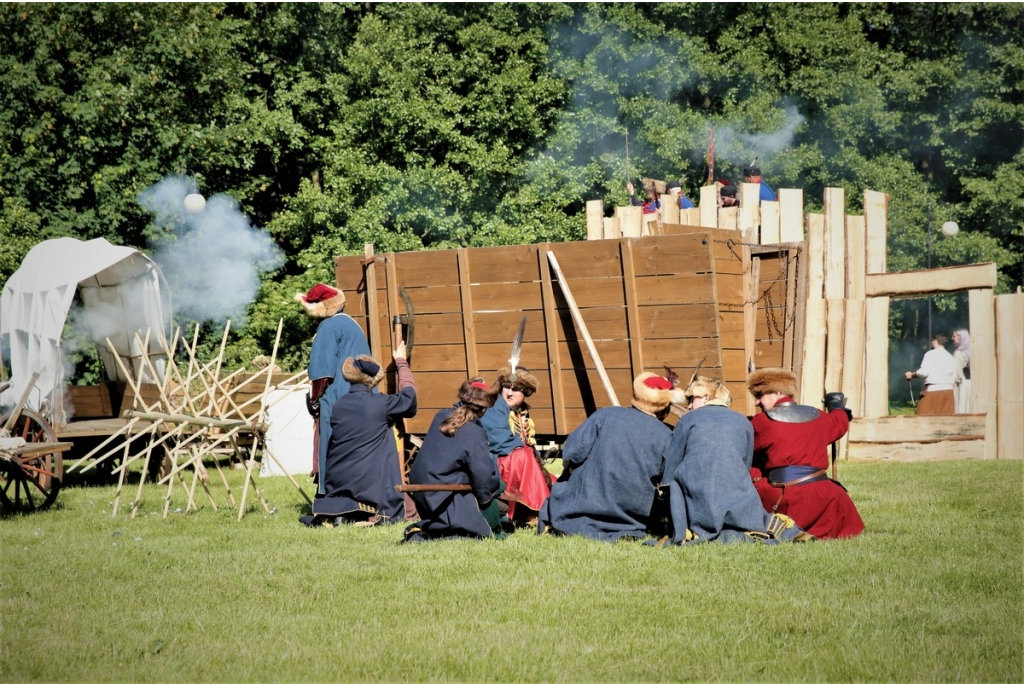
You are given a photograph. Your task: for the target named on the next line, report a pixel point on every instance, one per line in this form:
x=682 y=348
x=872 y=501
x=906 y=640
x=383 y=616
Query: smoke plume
x=213 y=257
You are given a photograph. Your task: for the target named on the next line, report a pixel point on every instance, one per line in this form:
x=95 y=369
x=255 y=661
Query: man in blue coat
x=337 y=338
x=752 y=174
x=363 y=466
x=613 y=464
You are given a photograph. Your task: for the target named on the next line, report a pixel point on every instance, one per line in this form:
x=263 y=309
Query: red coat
x=822 y=508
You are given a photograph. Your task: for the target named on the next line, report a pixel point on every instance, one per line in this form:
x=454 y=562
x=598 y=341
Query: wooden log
x=1010 y=363
x=636 y=356
x=749 y=216
x=670 y=209
x=926 y=282
x=468 y=326
x=728 y=218
x=835 y=316
x=770 y=232
x=853 y=356
x=372 y=320
x=855 y=257
x=582 y=326
x=630 y=221
x=904 y=452
x=815 y=256
x=835 y=244
x=595 y=219
x=709 y=206
x=983 y=369
x=898 y=429
x=611 y=227
x=812 y=371
x=876 y=357
x=876 y=213
x=791 y=215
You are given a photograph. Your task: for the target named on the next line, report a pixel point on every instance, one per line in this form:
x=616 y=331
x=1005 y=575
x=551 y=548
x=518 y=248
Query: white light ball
x=950 y=229
x=194 y=203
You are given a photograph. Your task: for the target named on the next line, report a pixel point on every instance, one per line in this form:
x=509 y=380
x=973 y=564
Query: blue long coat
x=337 y=338
x=362 y=458
x=617 y=458
x=460 y=458
x=707 y=470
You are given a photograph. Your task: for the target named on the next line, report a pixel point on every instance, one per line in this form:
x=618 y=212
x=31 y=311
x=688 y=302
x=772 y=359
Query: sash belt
x=797 y=475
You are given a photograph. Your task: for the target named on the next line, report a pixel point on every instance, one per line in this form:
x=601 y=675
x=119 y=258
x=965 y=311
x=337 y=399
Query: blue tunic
x=337 y=338
x=766 y=192
x=460 y=458
x=616 y=458
x=707 y=470
x=362 y=457
x=500 y=437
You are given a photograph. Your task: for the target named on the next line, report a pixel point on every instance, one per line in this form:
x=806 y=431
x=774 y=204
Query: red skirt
x=524 y=479
x=822 y=508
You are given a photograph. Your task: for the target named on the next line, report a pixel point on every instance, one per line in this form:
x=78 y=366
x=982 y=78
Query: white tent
x=120 y=292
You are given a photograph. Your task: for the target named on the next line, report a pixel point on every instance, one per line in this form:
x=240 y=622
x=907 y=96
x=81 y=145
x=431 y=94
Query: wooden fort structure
x=765 y=285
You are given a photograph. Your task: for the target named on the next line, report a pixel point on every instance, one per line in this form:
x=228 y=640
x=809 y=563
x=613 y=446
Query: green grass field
x=931 y=592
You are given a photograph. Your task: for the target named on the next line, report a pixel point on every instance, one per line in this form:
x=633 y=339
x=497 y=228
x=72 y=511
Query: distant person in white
x=939 y=371
x=962 y=355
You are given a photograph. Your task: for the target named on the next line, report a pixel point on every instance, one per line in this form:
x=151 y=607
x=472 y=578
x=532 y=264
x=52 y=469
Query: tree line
x=428 y=126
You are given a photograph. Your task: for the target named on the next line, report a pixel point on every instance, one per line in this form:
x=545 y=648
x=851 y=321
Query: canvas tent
x=121 y=293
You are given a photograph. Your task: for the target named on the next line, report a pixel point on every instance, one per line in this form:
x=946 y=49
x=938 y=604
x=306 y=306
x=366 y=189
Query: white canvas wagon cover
x=120 y=293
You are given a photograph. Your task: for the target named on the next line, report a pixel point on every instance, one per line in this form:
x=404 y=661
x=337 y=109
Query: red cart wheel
x=30 y=483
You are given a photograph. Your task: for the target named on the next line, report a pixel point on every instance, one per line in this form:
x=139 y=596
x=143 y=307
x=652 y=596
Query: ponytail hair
x=475 y=397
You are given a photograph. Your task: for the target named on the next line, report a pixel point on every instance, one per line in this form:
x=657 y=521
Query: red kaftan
x=822 y=508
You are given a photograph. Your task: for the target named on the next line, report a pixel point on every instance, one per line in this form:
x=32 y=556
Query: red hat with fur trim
x=321 y=301
x=652 y=393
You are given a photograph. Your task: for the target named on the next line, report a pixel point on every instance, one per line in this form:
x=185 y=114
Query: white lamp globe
x=195 y=203
x=950 y=229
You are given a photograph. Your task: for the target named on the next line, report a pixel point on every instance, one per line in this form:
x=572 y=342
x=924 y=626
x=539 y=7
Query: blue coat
x=707 y=470
x=766 y=192
x=337 y=338
x=616 y=458
x=460 y=458
x=362 y=457
x=500 y=437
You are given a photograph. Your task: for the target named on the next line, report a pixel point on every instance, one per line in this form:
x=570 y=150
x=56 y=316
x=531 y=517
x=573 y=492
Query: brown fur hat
x=321 y=301
x=476 y=393
x=653 y=394
x=525 y=382
x=363 y=370
x=765 y=381
x=712 y=387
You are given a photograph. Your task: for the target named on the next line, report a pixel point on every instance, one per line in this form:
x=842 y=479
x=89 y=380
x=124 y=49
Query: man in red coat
x=790 y=470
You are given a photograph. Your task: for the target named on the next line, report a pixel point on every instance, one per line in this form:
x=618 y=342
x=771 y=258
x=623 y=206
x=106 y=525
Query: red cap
x=481 y=386
x=319 y=293
x=658 y=383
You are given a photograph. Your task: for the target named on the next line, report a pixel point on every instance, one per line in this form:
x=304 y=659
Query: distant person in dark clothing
x=675 y=189
x=363 y=465
x=613 y=464
x=455 y=452
x=752 y=174
x=729 y=197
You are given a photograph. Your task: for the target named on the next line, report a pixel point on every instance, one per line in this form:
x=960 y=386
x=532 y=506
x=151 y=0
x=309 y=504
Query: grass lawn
x=931 y=592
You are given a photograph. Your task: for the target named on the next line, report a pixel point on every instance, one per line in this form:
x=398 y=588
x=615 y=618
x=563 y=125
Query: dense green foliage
x=437 y=125
x=931 y=592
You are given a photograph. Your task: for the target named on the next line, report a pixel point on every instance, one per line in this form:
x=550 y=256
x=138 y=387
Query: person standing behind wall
x=962 y=355
x=752 y=174
x=939 y=371
x=337 y=338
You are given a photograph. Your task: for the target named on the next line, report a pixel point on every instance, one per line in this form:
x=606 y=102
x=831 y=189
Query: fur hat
x=765 y=381
x=525 y=382
x=655 y=185
x=321 y=301
x=477 y=393
x=712 y=387
x=653 y=394
x=364 y=369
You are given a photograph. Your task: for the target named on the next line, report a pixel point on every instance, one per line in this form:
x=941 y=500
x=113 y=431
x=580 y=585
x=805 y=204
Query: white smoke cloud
x=741 y=147
x=214 y=260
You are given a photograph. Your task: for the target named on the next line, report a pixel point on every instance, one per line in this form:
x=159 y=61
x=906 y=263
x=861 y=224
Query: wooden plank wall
x=468 y=304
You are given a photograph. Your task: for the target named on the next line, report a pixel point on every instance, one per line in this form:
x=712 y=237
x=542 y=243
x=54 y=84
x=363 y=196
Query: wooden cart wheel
x=25 y=486
x=32 y=427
